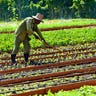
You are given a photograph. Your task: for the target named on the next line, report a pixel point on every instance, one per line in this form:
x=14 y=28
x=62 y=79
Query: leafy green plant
x=83 y=91
x=11 y=26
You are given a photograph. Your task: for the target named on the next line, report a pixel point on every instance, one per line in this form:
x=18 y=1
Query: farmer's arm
x=41 y=37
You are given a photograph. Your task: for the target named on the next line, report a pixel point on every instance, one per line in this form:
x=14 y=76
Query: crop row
x=54 y=50
x=26 y=87
x=58 y=63
x=24 y=74
x=65 y=64
x=58 y=37
x=19 y=83
x=11 y=26
x=47 y=57
x=57 y=54
x=58 y=28
x=85 y=46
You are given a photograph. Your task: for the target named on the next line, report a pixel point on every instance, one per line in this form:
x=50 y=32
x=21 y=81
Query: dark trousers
x=16 y=48
x=25 y=44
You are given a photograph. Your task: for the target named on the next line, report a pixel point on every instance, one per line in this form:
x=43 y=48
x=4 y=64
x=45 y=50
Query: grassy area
x=83 y=91
x=66 y=22
x=8 y=26
x=11 y=26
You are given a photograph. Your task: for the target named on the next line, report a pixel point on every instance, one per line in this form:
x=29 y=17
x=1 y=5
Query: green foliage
x=50 y=94
x=3 y=9
x=8 y=26
x=83 y=91
x=11 y=26
x=55 y=38
x=6 y=42
x=19 y=9
x=84 y=8
x=12 y=10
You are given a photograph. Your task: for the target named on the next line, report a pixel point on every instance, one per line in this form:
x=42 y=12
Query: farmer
x=26 y=28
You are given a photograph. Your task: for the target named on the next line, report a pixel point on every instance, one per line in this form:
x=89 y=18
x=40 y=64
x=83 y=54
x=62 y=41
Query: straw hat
x=39 y=17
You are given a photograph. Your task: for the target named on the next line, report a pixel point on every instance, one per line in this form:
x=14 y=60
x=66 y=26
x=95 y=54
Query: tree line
x=19 y=9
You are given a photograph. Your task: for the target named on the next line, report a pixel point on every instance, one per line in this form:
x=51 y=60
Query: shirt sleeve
x=29 y=25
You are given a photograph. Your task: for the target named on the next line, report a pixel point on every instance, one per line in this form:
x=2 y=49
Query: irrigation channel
x=62 y=67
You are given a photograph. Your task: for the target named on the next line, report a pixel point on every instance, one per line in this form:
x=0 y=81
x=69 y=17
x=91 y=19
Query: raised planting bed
x=16 y=83
x=57 y=38
x=51 y=55
x=58 y=28
x=54 y=89
x=40 y=87
x=70 y=67
x=39 y=76
x=41 y=70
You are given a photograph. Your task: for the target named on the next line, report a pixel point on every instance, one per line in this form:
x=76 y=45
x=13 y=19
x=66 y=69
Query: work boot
x=13 y=58
x=26 y=56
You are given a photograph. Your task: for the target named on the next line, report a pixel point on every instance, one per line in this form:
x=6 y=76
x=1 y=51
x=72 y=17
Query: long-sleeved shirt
x=28 y=27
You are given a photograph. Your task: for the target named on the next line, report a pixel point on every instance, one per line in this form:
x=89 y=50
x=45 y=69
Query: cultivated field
x=69 y=64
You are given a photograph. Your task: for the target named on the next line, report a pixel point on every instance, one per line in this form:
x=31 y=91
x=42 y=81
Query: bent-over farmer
x=27 y=27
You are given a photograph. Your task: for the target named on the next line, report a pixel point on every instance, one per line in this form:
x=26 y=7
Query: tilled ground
x=30 y=73
x=50 y=55
x=26 y=87
x=22 y=80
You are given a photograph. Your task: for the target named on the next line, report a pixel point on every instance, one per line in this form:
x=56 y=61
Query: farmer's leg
x=15 y=49
x=26 y=49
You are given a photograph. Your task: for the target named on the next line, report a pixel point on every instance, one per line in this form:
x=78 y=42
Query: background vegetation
x=19 y=9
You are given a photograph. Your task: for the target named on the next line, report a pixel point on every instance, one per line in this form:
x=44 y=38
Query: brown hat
x=39 y=17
